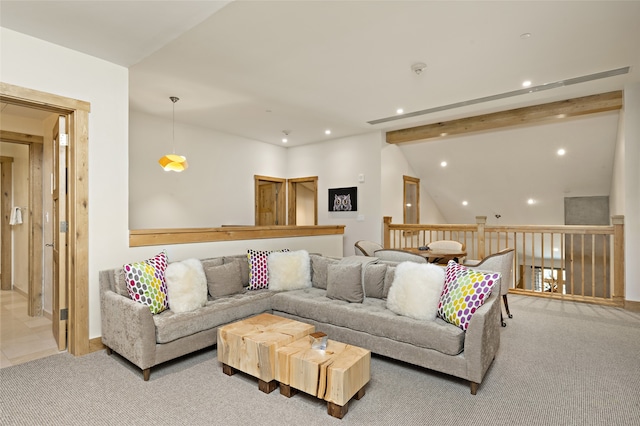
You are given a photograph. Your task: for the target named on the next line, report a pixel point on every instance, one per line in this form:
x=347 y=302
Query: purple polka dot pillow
x=465 y=290
x=146 y=282
x=259 y=268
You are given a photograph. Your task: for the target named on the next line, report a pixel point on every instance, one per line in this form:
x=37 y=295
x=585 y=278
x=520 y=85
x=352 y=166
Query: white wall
x=632 y=190
x=32 y=63
x=218 y=187
x=394 y=166
x=36 y=64
x=337 y=163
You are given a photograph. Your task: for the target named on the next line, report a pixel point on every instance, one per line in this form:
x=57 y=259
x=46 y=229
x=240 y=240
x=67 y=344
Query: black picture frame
x=351 y=193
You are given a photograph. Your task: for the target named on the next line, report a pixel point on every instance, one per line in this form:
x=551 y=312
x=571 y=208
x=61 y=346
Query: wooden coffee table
x=250 y=346
x=336 y=374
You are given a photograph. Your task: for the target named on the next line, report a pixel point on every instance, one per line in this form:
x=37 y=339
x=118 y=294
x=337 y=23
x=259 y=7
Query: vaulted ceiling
x=258 y=68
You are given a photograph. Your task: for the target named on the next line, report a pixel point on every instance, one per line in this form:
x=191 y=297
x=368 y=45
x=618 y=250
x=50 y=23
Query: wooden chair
x=501 y=262
x=366 y=248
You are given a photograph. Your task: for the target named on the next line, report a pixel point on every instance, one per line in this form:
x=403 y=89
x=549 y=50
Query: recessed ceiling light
x=443 y=164
x=327 y=132
x=284 y=140
x=530 y=201
x=561 y=151
x=464 y=203
x=526 y=83
x=399 y=111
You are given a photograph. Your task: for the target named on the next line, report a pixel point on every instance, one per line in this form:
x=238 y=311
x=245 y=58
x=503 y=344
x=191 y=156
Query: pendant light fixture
x=173 y=162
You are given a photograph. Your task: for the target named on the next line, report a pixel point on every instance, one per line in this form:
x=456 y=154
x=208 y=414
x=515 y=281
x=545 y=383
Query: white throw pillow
x=186 y=285
x=289 y=270
x=415 y=291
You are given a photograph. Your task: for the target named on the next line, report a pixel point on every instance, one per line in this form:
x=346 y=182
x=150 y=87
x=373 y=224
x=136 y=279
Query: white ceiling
x=256 y=68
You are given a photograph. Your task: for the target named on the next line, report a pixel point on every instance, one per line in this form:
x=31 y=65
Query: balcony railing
x=581 y=263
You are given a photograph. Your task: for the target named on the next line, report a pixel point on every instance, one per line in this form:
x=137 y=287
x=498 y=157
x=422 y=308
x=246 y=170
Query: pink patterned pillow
x=146 y=283
x=465 y=290
x=259 y=268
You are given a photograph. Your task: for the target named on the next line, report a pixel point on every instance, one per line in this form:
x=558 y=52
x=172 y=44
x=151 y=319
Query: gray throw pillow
x=344 y=282
x=319 y=270
x=388 y=280
x=374 y=280
x=224 y=280
x=243 y=262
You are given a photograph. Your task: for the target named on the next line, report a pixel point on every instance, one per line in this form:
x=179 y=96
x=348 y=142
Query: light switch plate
x=361 y=178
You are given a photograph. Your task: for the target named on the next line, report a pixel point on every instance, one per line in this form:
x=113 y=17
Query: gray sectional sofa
x=147 y=340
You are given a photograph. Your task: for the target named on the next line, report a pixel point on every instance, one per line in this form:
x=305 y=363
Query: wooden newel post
x=618 y=259
x=386 y=233
x=481 y=221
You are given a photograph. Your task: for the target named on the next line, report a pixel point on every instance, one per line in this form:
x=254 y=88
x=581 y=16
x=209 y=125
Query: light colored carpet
x=560 y=363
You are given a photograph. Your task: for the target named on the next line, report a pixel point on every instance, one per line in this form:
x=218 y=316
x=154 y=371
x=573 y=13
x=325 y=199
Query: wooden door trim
x=35 y=272
x=292 y=197
x=78 y=193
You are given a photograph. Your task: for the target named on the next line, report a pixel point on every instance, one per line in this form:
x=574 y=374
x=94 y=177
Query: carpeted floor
x=560 y=363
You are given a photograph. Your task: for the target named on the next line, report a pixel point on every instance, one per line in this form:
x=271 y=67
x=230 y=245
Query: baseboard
x=96 y=345
x=631 y=305
x=48 y=315
x=17 y=290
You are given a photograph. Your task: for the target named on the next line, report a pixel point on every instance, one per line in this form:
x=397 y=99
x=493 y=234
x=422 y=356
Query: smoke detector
x=418 y=67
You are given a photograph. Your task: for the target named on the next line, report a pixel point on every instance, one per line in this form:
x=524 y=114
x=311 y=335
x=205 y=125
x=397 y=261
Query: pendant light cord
x=173 y=117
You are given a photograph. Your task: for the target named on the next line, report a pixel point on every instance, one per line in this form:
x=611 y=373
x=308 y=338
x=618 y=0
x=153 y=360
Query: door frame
x=35 y=235
x=77 y=112
x=292 y=197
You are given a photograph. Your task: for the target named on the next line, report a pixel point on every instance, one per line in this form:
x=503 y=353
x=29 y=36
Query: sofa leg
x=109 y=351
x=504 y=324
x=474 y=387
x=506 y=305
x=146 y=373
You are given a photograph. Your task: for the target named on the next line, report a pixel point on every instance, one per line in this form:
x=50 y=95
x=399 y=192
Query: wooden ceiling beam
x=533 y=114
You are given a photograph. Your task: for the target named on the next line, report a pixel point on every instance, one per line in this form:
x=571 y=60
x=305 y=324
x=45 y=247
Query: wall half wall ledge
x=156 y=237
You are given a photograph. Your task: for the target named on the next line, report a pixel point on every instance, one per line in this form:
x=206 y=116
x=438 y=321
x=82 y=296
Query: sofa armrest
x=482 y=338
x=128 y=328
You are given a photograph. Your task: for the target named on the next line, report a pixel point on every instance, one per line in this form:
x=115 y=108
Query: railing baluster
x=572 y=277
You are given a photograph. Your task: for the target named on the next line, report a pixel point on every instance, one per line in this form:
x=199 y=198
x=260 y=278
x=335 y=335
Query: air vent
x=561 y=83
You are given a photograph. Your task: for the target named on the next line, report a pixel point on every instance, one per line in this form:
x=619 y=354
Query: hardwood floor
x=22 y=338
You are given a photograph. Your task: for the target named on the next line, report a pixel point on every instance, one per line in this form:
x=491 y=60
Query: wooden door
x=270 y=201
x=60 y=227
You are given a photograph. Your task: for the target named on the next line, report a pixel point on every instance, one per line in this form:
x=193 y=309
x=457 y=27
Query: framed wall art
x=343 y=199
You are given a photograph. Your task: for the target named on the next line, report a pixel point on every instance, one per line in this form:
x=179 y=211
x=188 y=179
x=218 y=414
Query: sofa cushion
x=212 y=261
x=373 y=281
x=289 y=270
x=186 y=285
x=146 y=283
x=416 y=290
x=224 y=280
x=344 y=282
x=465 y=290
x=171 y=326
x=258 y=268
x=319 y=270
x=372 y=317
x=243 y=262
